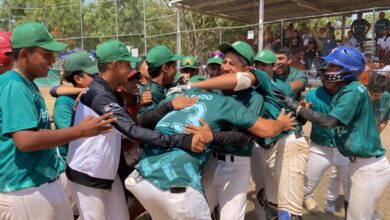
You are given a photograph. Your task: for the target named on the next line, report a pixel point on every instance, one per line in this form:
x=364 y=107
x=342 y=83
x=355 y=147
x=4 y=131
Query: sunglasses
x=216 y=53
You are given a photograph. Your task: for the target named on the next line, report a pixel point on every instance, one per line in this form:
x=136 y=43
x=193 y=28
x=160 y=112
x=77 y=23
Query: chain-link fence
x=142 y=24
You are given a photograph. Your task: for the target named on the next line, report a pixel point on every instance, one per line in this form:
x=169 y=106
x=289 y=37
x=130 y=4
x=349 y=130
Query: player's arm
x=56 y=91
x=382 y=126
x=39 y=139
x=23 y=125
x=151 y=118
x=233 y=138
x=237 y=81
x=263 y=128
x=266 y=128
x=323 y=120
x=107 y=102
x=297 y=85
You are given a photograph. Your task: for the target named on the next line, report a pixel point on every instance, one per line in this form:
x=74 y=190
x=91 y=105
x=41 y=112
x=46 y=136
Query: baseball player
x=29 y=164
x=377 y=85
x=188 y=68
x=288 y=152
x=214 y=64
x=79 y=71
x=5 y=51
x=357 y=135
x=226 y=175
x=323 y=150
x=284 y=71
x=92 y=163
x=167 y=181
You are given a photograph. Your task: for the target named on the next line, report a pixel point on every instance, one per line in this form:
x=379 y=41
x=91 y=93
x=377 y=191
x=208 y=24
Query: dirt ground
x=383 y=206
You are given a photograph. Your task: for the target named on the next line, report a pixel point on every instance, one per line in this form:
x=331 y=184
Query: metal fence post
x=281 y=31
x=81 y=24
x=220 y=35
x=145 y=40
x=373 y=34
x=178 y=34
x=261 y=25
x=9 y=19
x=116 y=20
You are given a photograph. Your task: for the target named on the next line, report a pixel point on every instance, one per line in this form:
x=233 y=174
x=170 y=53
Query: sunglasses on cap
x=216 y=53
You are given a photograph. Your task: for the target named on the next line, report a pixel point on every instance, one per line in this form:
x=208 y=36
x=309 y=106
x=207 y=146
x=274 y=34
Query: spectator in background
x=268 y=37
x=296 y=43
x=383 y=41
x=360 y=27
x=350 y=40
x=311 y=53
x=328 y=44
x=303 y=29
x=329 y=27
x=288 y=33
x=306 y=36
x=381 y=24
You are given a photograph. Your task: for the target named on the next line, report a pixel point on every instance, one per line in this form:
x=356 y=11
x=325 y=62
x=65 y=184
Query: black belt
x=353 y=159
x=56 y=178
x=222 y=156
x=298 y=134
x=178 y=189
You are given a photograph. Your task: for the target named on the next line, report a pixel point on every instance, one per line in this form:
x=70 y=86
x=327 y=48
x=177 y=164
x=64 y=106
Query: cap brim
x=4 y=51
x=176 y=57
x=54 y=46
x=263 y=61
x=133 y=59
x=215 y=61
x=91 y=70
x=189 y=67
x=225 y=47
x=133 y=73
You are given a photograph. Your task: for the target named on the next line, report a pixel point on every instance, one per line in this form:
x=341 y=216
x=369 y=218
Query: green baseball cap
x=215 y=60
x=114 y=50
x=160 y=55
x=197 y=78
x=242 y=48
x=266 y=56
x=34 y=34
x=189 y=62
x=79 y=61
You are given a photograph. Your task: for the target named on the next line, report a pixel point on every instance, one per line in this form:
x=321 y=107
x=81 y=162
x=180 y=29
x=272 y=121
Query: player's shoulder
x=65 y=99
x=386 y=97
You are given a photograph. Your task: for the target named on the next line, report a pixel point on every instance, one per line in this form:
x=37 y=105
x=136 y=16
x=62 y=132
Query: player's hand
x=288 y=101
x=146 y=98
x=92 y=126
x=305 y=104
x=287 y=120
x=197 y=144
x=204 y=130
x=181 y=102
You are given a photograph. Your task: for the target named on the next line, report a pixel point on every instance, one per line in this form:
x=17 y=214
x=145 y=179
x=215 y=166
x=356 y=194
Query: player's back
x=167 y=167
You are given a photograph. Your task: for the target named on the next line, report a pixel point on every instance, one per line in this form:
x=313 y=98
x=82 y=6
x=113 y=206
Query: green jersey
x=158 y=94
x=359 y=135
x=62 y=115
x=321 y=100
x=272 y=104
x=294 y=74
x=22 y=107
x=168 y=167
x=254 y=102
x=381 y=108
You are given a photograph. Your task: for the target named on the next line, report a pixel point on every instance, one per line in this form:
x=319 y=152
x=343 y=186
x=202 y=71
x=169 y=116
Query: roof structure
x=248 y=10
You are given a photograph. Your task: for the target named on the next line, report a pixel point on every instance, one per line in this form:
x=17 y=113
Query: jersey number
x=191 y=114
